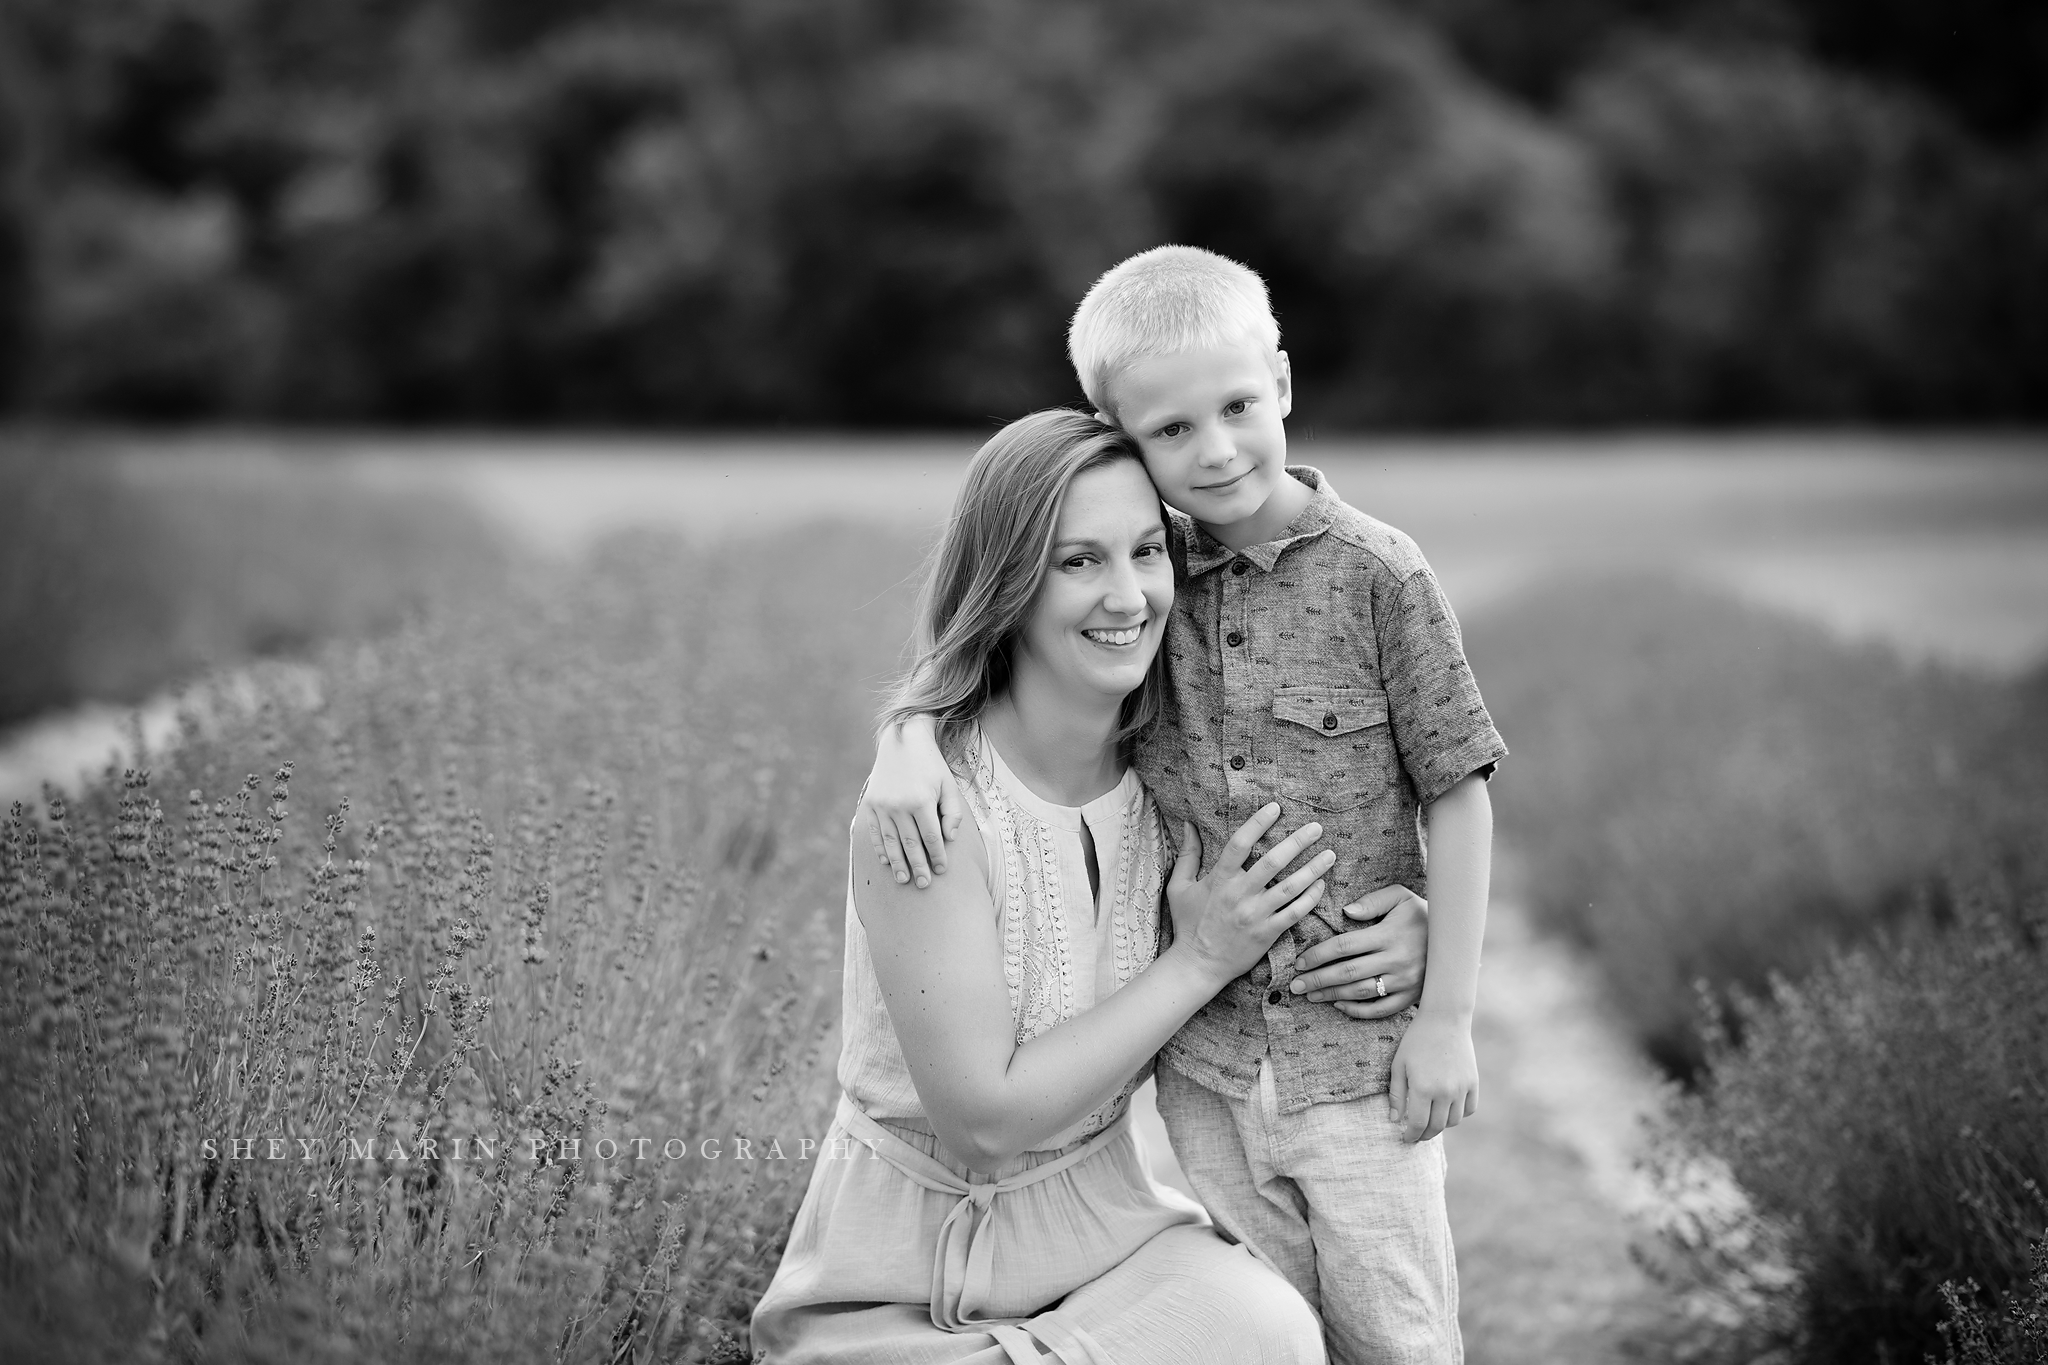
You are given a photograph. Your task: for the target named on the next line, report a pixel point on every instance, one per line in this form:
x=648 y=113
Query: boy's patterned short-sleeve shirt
x=1323 y=670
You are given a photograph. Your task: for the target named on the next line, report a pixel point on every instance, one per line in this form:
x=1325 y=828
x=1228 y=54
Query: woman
x=981 y=1197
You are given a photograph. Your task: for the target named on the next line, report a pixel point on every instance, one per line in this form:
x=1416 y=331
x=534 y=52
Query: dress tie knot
x=963 y=1264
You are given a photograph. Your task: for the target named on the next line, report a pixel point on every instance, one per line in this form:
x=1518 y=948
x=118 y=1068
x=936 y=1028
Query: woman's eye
x=1151 y=551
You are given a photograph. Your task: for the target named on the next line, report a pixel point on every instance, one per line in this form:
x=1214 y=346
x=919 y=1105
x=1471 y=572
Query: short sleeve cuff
x=1480 y=754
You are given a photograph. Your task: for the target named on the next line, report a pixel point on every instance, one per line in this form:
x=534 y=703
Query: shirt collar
x=1205 y=552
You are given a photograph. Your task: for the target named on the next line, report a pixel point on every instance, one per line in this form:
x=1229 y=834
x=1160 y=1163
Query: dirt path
x=1542 y=1177
x=72 y=747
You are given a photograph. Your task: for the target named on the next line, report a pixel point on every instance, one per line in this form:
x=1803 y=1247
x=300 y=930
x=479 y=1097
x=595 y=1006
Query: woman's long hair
x=986 y=571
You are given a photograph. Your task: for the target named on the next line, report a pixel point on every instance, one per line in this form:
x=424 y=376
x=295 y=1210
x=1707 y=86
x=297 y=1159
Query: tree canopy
x=881 y=212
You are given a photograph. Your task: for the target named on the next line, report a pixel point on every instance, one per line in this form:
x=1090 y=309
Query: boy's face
x=1210 y=426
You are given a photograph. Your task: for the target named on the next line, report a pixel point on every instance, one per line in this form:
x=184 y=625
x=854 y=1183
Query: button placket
x=1237 y=697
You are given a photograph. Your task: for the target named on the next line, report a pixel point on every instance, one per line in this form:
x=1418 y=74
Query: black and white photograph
x=978 y=682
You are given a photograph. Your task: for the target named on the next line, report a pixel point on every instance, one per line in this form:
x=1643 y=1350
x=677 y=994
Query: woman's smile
x=1101 y=607
x=1116 y=637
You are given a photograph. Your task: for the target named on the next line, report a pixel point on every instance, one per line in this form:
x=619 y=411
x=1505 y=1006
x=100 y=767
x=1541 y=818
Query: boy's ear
x=1283 y=379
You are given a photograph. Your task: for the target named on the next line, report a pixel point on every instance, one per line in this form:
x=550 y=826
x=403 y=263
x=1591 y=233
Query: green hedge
x=872 y=212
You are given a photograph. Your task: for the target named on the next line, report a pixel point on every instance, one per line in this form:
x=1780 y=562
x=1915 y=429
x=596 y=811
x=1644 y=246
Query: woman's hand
x=1347 y=970
x=1226 y=921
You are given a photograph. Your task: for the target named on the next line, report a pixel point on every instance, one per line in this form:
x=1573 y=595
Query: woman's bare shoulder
x=965 y=880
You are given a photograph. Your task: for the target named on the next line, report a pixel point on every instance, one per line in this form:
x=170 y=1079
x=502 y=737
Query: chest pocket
x=1333 y=745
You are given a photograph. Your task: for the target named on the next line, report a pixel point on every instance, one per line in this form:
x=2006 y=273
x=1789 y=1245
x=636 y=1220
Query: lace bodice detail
x=1042 y=963
x=1038 y=950
x=1063 y=951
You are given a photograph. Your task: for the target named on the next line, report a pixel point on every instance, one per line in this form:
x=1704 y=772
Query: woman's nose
x=1123 y=594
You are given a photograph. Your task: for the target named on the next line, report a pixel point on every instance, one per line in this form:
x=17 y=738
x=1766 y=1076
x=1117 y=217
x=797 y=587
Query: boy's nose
x=1217 y=449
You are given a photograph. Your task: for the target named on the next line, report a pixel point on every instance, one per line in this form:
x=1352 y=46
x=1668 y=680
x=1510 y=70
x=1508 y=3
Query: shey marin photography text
x=485 y=1148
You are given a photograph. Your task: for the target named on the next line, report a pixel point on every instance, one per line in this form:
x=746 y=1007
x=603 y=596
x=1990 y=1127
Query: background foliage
x=585 y=885
x=547 y=869
x=114 y=583
x=882 y=211
x=1719 y=792
x=1812 y=877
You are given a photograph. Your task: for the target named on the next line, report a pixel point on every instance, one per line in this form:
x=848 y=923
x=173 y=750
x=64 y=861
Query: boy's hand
x=1347 y=970
x=912 y=805
x=1436 y=1077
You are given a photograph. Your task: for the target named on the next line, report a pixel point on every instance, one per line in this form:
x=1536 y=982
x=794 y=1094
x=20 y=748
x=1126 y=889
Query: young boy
x=1313 y=661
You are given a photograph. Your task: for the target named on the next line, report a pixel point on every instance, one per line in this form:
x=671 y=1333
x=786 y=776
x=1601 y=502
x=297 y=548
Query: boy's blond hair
x=1162 y=302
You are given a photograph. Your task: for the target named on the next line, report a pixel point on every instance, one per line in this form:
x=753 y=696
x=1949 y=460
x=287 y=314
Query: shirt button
x=1329 y=720
x=1239 y=569
x=1274 y=997
x=1234 y=639
x=1237 y=760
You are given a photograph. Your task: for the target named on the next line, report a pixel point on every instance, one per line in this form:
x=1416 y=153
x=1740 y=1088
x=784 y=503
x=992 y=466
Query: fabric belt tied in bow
x=961 y=1278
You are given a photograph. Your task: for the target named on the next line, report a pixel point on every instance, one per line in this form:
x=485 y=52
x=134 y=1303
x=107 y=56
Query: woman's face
x=1102 y=606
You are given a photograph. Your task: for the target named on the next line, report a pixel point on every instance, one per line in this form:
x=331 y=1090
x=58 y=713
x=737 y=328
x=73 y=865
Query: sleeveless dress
x=900 y=1255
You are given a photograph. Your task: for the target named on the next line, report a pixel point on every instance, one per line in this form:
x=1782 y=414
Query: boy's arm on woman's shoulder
x=912 y=805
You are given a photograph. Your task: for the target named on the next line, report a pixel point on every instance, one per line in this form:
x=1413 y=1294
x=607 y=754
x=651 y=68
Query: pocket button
x=1329 y=720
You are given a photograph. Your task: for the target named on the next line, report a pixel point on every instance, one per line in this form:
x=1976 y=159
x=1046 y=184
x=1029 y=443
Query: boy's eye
x=1236 y=409
x=1171 y=430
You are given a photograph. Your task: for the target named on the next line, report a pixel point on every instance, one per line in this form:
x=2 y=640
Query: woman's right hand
x=1226 y=921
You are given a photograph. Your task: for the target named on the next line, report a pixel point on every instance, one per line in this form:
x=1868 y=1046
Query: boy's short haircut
x=1162 y=302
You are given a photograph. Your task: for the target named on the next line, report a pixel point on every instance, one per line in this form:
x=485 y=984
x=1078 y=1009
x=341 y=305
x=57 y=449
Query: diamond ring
x=1380 y=983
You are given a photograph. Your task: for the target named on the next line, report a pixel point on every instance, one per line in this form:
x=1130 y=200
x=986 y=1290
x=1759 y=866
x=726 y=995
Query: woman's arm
x=938 y=956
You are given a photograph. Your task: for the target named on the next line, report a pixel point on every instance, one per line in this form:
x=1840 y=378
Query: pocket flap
x=1331 y=710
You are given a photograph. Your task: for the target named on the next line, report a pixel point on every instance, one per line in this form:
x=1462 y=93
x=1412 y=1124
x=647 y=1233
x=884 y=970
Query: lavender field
x=597 y=708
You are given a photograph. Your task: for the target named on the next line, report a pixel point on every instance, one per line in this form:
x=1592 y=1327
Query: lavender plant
x=428 y=1022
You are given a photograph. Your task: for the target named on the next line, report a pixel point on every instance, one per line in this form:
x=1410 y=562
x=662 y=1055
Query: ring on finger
x=1379 y=983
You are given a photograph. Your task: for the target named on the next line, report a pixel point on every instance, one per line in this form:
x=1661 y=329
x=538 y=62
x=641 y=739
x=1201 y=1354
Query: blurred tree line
x=883 y=211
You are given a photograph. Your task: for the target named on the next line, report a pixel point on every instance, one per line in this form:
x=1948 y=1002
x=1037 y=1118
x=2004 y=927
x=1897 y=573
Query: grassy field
x=558 y=860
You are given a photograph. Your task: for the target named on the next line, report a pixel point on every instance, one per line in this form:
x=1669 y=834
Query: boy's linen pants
x=1337 y=1201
